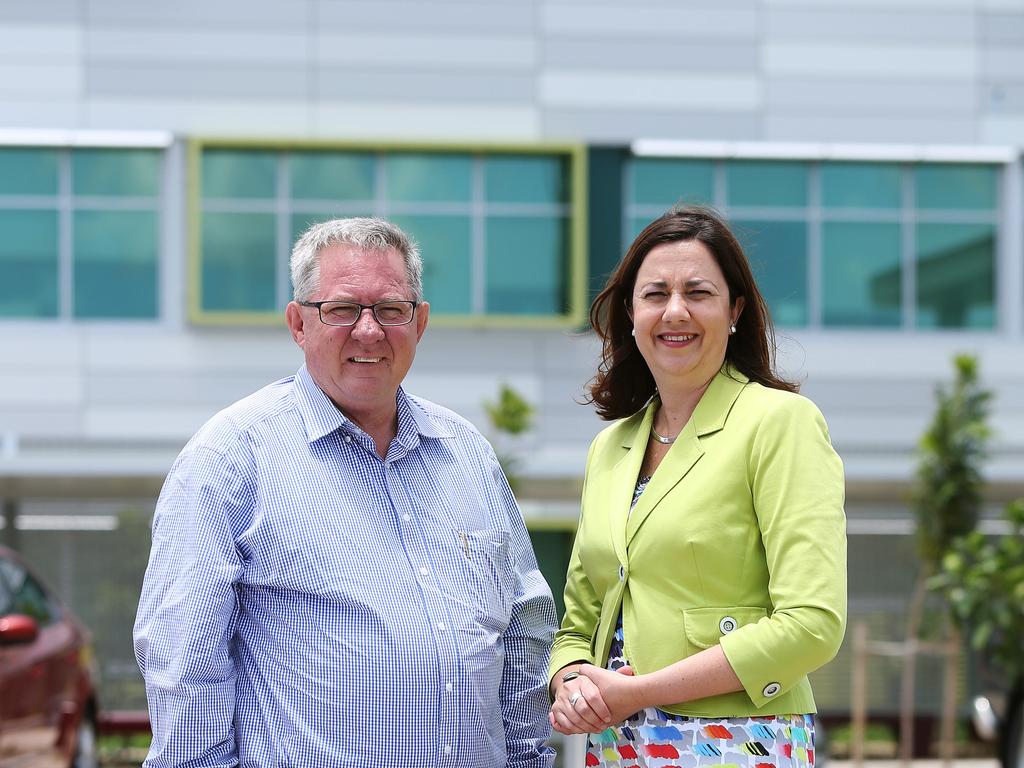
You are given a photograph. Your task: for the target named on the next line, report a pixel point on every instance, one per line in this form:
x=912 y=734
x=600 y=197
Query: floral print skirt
x=657 y=739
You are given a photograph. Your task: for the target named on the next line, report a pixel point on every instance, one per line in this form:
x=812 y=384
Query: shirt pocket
x=490 y=584
x=705 y=627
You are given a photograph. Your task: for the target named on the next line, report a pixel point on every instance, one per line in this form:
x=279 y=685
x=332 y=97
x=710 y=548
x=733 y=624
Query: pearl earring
x=732 y=328
x=633 y=332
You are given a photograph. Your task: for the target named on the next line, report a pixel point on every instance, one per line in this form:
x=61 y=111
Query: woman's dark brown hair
x=624 y=383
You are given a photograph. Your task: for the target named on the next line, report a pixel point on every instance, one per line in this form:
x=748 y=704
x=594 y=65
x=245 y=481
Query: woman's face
x=681 y=314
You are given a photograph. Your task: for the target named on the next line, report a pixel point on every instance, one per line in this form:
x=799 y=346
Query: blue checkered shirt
x=309 y=604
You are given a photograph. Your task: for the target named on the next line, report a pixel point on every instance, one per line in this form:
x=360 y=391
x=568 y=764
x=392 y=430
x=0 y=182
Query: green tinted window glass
x=28 y=264
x=126 y=172
x=28 y=171
x=553 y=549
x=956 y=275
x=860 y=185
x=526 y=265
x=942 y=185
x=445 y=246
x=115 y=264
x=233 y=173
x=667 y=182
x=525 y=179
x=861 y=274
x=331 y=176
x=238 y=266
x=778 y=255
x=428 y=178
x=766 y=183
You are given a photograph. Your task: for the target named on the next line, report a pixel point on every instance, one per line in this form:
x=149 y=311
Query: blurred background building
x=158 y=159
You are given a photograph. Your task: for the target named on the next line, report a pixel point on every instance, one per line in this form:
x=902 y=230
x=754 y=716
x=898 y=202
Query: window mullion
x=65 y=238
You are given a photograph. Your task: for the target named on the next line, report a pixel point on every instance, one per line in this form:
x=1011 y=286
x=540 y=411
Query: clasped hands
x=595 y=700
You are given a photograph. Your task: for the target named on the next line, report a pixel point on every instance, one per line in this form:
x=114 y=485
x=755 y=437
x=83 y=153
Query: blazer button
x=772 y=689
x=727 y=624
x=622 y=573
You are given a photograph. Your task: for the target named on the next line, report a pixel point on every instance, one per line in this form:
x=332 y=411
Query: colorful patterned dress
x=654 y=738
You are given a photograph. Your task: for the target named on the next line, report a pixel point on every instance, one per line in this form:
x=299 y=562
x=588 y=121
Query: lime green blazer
x=738 y=540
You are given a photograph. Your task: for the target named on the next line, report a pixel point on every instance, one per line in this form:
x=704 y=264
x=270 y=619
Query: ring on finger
x=574 y=698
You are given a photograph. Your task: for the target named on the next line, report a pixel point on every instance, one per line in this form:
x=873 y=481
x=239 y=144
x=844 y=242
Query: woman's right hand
x=577 y=706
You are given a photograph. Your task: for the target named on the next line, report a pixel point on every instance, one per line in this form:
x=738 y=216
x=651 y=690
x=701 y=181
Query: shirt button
x=447 y=749
x=622 y=573
x=424 y=571
x=348 y=438
x=449 y=687
x=772 y=689
x=440 y=626
x=727 y=624
x=406 y=518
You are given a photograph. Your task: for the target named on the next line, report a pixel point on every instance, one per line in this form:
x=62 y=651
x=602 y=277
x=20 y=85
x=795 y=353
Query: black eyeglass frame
x=372 y=307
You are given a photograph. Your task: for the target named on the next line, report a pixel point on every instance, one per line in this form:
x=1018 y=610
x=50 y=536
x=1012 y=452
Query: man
x=339 y=574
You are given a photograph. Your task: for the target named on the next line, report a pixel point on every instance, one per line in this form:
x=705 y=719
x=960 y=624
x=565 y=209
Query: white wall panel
x=41 y=81
x=649 y=89
x=701 y=22
x=624 y=125
x=427 y=84
x=126 y=44
x=1002 y=28
x=639 y=53
x=426 y=121
x=896 y=95
x=954 y=63
x=1002 y=61
x=1001 y=129
x=279 y=15
x=48 y=43
x=415 y=17
x=488 y=52
x=817 y=24
x=193 y=116
x=197 y=80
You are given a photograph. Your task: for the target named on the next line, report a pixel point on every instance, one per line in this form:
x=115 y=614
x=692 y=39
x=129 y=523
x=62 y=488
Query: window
x=847 y=244
x=81 y=232
x=495 y=226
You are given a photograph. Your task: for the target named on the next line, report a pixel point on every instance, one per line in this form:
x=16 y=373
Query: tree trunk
x=909 y=668
x=951 y=664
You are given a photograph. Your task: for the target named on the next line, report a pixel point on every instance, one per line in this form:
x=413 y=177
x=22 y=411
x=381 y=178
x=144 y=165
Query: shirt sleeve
x=188 y=611
x=523 y=693
x=796 y=479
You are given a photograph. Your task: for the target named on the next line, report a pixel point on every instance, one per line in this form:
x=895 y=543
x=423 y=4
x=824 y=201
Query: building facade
x=158 y=160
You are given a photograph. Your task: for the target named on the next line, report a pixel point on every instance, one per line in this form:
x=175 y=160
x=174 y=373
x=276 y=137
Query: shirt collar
x=321 y=417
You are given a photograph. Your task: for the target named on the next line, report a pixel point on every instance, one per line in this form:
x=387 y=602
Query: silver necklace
x=660 y=438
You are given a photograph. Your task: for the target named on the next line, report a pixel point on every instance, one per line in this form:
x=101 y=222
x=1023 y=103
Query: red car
x=47 y=676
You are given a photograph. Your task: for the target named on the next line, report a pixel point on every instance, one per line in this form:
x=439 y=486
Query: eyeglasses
x=345 y=313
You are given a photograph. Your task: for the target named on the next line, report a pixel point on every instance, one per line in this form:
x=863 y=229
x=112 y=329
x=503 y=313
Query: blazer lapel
x=685 y=452
x=709 y=416
x=624 y=474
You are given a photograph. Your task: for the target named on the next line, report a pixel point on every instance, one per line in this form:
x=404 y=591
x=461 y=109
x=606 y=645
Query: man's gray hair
x=370 y=234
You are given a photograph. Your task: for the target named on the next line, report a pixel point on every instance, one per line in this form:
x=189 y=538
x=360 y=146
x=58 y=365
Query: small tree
x=948 y=495
x=982 y=579
x=510 y=416
x=947 y=500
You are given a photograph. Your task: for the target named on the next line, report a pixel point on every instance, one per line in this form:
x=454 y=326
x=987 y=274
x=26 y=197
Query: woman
x=708 y=576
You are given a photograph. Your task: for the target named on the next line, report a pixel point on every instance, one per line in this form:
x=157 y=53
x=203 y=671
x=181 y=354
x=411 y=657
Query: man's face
x=359 y=367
